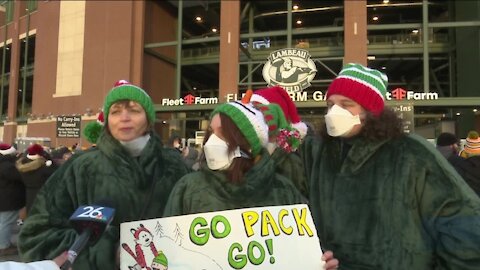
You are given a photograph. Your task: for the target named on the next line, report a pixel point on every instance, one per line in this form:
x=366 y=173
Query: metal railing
x=322 y=42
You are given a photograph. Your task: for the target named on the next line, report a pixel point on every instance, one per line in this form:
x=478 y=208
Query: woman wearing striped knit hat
x=238 y=171
x=382 y=199
x=469 y=168
x=472 y=145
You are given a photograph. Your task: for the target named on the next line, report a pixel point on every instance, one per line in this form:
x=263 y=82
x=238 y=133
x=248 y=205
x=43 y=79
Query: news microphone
x=89 y=221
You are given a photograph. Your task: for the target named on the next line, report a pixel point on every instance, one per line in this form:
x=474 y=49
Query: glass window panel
x=201 y=19
x=394 y=12
x=263 y=16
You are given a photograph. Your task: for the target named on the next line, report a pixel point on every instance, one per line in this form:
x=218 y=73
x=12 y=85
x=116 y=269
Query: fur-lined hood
x=27 y=165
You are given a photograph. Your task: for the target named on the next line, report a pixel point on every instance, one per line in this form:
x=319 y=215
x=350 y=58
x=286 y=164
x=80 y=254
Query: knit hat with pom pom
x=366 y=86
x=257 y=122
x=36 y=151
x=279 y=96
x=124 y=90
x=472 y=145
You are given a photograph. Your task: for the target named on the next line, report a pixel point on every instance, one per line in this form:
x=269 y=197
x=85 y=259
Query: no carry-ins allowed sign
x=267 y=238
x=68 y=126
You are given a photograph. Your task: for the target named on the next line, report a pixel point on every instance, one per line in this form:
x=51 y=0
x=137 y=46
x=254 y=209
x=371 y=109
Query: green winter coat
x=395 y=204
x=290 y=165
x=207 y=190
x=106 y=173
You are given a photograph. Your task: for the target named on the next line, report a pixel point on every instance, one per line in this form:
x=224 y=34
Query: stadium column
x=10 y=127
x=229 y=46
x=355 y=34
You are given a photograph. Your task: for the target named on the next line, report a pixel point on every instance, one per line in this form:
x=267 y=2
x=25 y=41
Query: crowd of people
x=380 y=198
x=22 y=175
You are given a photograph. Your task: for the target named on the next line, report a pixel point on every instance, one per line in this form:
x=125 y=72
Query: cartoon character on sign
x=152 y=246
x=143 y=240
x=160 y=262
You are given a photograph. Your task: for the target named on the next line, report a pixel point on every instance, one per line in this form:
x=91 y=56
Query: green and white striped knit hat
x=364 y=85
x=123 y=90
x=249 y=120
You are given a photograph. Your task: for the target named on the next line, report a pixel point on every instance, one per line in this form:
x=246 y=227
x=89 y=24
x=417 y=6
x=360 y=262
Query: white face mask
x=340 y=121
x=216 y=153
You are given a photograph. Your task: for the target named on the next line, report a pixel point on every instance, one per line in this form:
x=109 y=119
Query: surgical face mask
x=216 y=153
x=340 y=121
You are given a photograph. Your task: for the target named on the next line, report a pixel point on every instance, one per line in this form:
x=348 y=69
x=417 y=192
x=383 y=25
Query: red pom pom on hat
x=100 y=118
x=121 y=82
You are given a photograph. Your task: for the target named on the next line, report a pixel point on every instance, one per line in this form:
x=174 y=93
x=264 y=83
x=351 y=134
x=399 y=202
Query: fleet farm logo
x=189 y=100
x=402 y=94
x=290 y=68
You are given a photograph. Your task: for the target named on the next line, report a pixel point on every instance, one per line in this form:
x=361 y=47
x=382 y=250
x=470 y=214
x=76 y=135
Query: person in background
x=287 y=161
x=129 y=168
x=448 y=145
x=35 y=168
x=472 y=145
x=469 y=165
x=58 y=154
x=239 y=172
x=12 y=197
x=382 y=199
x=190 y=156
x=175 y=142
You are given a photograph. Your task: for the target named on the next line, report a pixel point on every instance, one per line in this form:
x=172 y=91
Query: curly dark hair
x=377 y=128
x=233 y=137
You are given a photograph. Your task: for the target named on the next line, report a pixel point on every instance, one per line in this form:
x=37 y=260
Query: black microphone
x=90 y=221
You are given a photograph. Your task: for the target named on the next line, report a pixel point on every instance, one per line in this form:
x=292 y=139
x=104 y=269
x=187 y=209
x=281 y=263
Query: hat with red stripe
x=258 y=122
x=472 y=145
x=279 y=96
x=287 y=137
x=248 y=119
x=7 y=149
x=363 y=85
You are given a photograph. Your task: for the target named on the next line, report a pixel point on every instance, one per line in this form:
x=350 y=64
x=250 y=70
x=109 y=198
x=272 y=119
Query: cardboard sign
x=277 y=237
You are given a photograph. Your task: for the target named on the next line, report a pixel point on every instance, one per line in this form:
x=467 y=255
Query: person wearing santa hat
x=381 y=198
x=35 y=168
x=237 y=170
x=12 y=197
x=129 y=167
x=287 y=161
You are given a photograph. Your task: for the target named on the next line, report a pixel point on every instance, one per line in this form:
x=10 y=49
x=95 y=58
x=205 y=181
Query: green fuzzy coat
x=290 y=165
x=106 y=173
x=395 y=204
x=207 y=190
